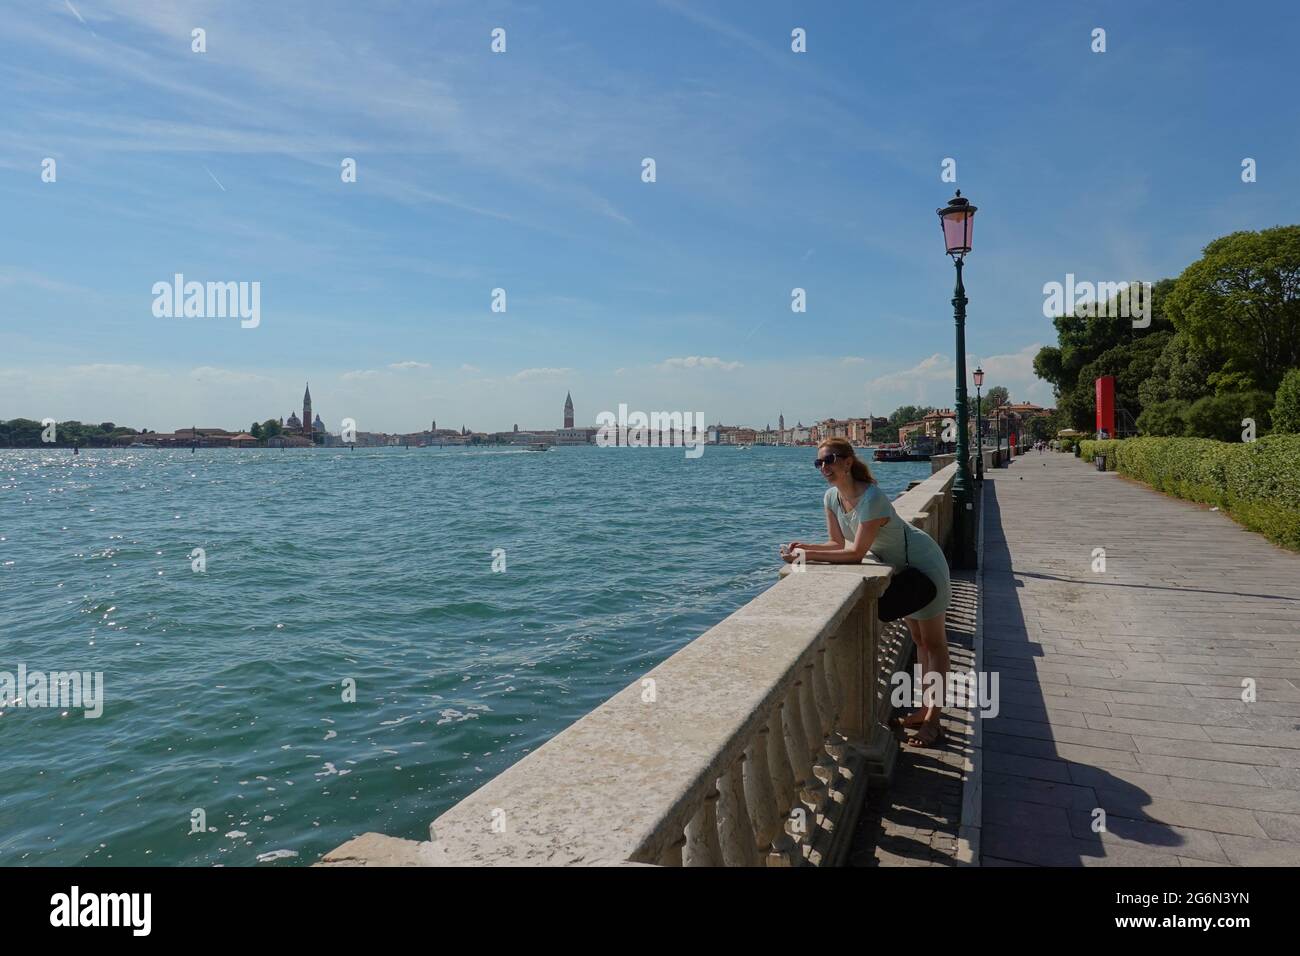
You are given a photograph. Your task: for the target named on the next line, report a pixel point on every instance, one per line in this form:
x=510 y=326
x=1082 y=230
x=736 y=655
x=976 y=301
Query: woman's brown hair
x=858 y=468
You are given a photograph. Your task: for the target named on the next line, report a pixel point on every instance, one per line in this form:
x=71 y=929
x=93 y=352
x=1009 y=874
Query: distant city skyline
x=522 y=173
x=568 y=420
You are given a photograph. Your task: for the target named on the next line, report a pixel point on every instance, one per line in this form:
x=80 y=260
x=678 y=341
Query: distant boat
x=897 y=453
x=138 y=444
x=743 y=447
x=536 y=446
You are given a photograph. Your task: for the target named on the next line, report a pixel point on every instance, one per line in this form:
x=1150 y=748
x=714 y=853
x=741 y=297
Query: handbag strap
x=907 y=561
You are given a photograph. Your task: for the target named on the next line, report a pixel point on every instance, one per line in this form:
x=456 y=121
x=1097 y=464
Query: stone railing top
x=608 y=788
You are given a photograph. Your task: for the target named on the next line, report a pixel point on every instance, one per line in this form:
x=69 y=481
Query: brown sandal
x=900 y=725
x=920 y=739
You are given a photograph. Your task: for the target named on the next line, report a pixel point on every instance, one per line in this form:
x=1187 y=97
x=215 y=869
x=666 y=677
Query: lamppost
x=978 y=375
x=957 y=220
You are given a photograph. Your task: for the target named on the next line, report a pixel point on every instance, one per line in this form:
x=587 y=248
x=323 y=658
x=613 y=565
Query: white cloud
x=534 y=374
x=699 y=361
x=930 y=381
x=228 y=377
x=358 y=375
x=409 y=365
x=470 y=368
x=853 y=360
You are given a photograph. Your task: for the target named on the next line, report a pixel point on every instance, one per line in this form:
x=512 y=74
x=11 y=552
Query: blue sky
x=522 y=171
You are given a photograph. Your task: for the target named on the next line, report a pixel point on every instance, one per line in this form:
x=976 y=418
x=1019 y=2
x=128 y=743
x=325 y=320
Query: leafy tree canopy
x=1242 y=298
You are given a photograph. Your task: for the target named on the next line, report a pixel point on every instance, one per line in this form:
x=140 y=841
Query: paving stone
x=1199 y=816
x=1250 y=851
x=1279 y=826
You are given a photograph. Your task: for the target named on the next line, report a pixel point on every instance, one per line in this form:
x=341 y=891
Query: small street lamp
x=957 y=219
x=978 y=375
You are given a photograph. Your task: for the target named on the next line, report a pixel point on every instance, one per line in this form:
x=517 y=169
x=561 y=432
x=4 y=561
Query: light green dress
x=923 y=553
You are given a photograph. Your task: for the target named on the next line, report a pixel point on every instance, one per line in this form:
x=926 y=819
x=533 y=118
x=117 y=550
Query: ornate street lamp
x=957 y=220
x=978 y=375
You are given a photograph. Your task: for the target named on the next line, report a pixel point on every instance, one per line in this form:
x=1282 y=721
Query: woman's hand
x=790 y=556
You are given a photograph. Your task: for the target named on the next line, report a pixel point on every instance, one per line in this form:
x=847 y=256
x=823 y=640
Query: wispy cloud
x=539 y=374
x=699 y=362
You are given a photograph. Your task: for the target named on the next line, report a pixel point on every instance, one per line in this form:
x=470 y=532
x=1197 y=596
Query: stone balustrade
x=750 y=746
x=993 y=457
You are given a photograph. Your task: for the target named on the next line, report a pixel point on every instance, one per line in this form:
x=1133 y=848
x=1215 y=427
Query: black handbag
x=909 y=589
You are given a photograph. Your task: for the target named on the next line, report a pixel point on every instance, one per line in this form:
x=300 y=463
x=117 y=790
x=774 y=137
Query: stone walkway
x=1123 y=737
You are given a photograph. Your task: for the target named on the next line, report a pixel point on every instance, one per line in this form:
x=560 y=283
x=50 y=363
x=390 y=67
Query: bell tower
x=306 y=412
x=568 y=410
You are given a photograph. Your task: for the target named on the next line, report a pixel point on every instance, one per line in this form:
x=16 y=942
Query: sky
x=523 y=171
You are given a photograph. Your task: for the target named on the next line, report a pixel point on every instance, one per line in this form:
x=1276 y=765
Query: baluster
x=785 y=789
x=812 y=725
x=830 y=667
x=760 y=798
x=826 y=703
x=816 y=723
x=672 y=854
x=811 y=790
x=845 y=663
x=702 y=848
x=735 y=834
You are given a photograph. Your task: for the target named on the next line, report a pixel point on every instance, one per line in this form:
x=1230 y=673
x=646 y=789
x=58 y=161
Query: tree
x=1090 y=346
x=1164 y=419
x=1181 y=371
x=1286 y=405
x=909 y=413
x=271 y=428
x=1039 y=428
x=995 y=397
x=256 y=431
x=1220 y=416
x=1242 y=297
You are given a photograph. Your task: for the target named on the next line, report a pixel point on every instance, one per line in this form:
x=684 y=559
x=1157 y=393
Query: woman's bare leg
x=931 y=637
x=917 y=717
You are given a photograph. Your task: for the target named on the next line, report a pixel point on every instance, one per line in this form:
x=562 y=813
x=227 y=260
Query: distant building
x=184 y=437
x=857 y=431
x=306 y=413
x=910 y=428
x=933 y=422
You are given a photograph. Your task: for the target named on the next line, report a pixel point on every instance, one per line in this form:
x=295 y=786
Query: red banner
x=1106 y=406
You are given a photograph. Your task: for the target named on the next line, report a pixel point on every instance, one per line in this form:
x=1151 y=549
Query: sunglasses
x=828 y=460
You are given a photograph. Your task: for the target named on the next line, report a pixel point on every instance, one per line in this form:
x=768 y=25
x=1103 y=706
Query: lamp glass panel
x=957 y=231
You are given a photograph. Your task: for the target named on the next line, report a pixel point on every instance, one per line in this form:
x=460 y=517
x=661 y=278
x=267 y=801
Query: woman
x=860 y=518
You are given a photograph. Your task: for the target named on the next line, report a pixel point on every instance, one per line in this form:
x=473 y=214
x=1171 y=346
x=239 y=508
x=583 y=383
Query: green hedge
x=1257 y=483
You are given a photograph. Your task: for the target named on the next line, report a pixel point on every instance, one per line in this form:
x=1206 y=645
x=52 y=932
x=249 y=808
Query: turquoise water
x=223 y=689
